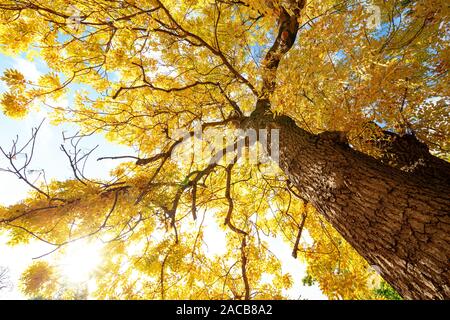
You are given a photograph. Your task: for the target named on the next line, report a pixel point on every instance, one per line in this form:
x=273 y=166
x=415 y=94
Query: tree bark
x=397 y=221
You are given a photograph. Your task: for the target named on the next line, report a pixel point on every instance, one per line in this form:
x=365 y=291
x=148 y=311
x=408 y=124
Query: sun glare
x=80 y=261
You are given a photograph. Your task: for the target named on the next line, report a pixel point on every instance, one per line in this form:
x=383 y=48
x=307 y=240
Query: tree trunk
x=397 y=221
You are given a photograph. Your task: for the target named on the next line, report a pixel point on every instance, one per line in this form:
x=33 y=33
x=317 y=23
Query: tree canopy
x=149 y=68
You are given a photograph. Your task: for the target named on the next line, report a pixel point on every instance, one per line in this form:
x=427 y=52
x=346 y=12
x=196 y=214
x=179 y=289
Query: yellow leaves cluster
x=14 y=106
x=39 y=280
x=50 y=81
x=18 y=35
x=18 y=100
x=13 y=78
x=14 y=102
x=343 y=75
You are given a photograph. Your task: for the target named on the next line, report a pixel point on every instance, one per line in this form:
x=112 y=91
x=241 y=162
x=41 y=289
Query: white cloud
x=12 y=190
x=27 y=68
x=3 y=86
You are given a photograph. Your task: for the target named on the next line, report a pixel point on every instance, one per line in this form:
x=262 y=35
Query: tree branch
x=287 y=33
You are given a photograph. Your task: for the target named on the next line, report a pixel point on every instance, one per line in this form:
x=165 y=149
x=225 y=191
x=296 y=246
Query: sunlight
x=80 y=261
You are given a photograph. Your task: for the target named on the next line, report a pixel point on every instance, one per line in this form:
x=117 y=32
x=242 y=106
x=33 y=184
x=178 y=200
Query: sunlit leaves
x=13 y=105
x=39 y=280
x=13 y=78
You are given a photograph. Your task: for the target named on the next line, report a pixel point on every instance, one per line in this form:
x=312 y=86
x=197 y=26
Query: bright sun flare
x=80 y=260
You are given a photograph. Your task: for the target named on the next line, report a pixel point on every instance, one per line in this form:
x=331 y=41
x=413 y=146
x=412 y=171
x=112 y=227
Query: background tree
x=5 y=282
x=358 y=111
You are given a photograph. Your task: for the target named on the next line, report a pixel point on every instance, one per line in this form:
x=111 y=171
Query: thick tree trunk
x=395 y=220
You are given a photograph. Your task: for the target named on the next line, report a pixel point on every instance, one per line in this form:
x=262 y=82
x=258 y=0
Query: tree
x=360 y=112
x=5 y=282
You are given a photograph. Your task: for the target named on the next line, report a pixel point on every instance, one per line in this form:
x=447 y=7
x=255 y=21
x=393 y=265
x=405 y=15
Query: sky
x=50 y=158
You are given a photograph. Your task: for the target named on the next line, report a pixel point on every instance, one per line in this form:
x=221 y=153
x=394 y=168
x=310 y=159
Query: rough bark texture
x=397 y=221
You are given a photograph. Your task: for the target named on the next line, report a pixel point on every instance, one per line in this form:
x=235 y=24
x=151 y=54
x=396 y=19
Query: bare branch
x=15 y=152
x=299 y=235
